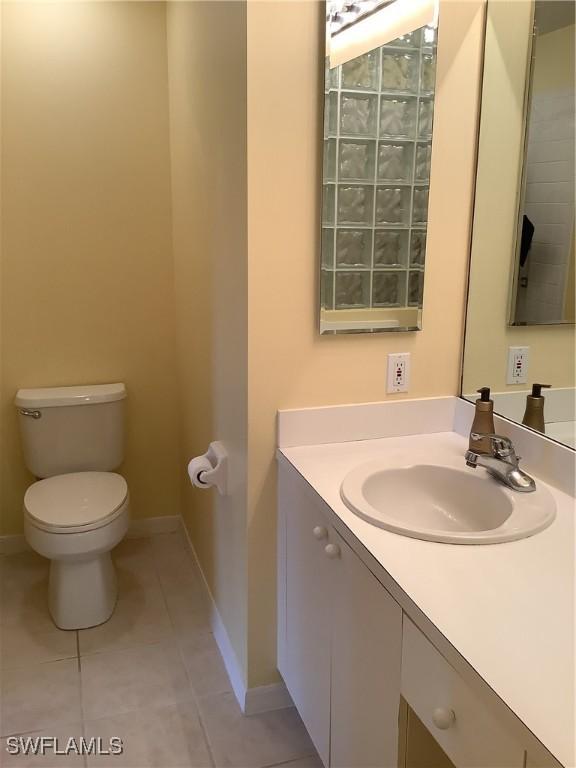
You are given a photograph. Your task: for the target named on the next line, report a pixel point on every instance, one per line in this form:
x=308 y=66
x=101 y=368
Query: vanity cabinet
x=463 y=725
x=304 y=645
x=349 y=654
x=340 y=644
x=365 y=670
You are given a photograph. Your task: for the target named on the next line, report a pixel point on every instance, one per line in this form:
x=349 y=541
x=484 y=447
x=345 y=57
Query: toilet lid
x=75 y=499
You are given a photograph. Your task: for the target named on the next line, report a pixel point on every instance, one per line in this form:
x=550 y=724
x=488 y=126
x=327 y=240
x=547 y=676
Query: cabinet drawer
x=462 y=724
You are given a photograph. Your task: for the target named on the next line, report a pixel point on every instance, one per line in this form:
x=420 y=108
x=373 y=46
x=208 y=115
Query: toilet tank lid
x=51 y=397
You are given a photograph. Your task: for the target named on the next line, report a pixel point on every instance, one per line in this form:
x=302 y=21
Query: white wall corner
x=265 y=698
x=252 y=701
x=233 y=668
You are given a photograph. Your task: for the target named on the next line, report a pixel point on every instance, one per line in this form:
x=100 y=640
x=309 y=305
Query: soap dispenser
x=534 y=413
x=483 y=422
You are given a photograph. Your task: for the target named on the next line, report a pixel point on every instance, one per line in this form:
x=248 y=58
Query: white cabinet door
x=366 y=658
x=304 y=649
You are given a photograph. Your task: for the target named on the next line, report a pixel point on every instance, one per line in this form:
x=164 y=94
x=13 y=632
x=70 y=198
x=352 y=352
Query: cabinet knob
x=443 y=718
x=320 y=532
x=332 y=551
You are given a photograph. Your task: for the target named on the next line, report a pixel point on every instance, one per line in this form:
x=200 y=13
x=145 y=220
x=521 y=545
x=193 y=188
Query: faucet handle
x=500 y=444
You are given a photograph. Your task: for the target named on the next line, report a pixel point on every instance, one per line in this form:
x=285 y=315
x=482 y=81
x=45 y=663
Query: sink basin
x=445 y=504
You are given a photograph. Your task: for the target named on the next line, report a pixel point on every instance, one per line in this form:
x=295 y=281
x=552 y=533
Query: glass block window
x=378 y=117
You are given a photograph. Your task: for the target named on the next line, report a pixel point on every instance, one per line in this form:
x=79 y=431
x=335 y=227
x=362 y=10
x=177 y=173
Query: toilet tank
x=72 y=429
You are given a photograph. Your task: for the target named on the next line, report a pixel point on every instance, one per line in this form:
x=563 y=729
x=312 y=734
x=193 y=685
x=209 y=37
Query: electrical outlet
x=398 y=372
x=517 y=365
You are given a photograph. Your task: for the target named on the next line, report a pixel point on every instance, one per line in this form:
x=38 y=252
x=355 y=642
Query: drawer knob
x=320 y=532
x=443 y=718
x=332 y=551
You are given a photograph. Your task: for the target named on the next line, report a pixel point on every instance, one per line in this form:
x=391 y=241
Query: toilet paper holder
x=210 y=469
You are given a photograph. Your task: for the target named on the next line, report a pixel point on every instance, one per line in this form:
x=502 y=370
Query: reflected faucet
x=501 y=462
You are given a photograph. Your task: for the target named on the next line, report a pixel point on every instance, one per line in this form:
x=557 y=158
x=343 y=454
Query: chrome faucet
x=501 y=462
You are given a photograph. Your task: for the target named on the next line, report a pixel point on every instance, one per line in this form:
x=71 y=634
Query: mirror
x=519 y=325
x=377 y=145
x=543 y=288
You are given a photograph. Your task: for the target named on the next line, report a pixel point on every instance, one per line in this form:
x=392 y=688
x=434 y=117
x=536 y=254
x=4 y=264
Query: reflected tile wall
x=390 y=248
x=329 y=160
x=425 y=116
x=398 y=117
x=389 y=289
x=327 y=248
x=417 y=248
x=379 y=112
x=352 y=290
x=392 y=205
x=353 y=248
x=399 y=71
x=420 y=205
x=357 y=159
x=415 y=288
x=355 y=204
x=362 y=72
x=358 y=114
x=395 y=161
x=423 y=158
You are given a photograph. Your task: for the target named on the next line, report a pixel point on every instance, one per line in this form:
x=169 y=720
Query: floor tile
x=188 y=609
x=135 y=565
x=49 y=759
x=24 y=567
x=40 y=696
x=174 y=561
x=116 y=682
x=203 y=663
x=27 y=608
x=166 y=737
x=24 y=592
x=256 y=741
x=140 y=618
x=21 y=645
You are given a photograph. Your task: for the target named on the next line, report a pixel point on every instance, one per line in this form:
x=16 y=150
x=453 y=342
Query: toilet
x=78 y=510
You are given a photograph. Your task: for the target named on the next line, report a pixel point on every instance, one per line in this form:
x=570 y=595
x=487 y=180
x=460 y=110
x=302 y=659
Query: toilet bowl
x=78 y=510
x=75 y=520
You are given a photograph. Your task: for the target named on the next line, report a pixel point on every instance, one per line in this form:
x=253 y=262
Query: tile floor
x=152 y=675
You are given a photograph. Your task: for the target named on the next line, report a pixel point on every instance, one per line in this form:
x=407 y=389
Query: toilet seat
x=76 y=502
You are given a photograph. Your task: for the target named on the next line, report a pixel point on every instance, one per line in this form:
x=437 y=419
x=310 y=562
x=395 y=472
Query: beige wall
x=245 y=152
x=289 y=364
x=86 y=240
x=553 y=69
x=207 y=66
x=501 y=148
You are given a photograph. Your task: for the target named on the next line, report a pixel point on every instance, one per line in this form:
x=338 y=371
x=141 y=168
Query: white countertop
x=508 y=609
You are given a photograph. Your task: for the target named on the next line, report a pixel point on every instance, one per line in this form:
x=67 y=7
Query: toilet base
x=82 y=593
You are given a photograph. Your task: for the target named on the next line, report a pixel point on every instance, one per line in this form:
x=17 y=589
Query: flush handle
x=31 y=414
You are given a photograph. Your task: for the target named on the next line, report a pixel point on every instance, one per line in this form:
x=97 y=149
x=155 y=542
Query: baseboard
x=146 y=526
x=150 y=526
x=265 y=698
x=233 y=668
x=13 y=544
x=252 y=701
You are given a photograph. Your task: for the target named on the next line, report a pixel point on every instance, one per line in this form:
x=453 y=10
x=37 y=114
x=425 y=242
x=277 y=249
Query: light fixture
x=351 y=38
